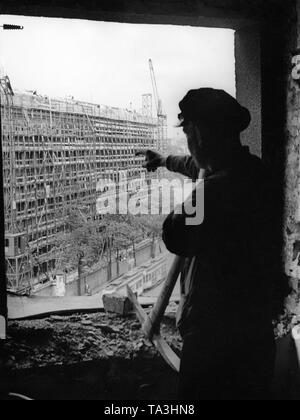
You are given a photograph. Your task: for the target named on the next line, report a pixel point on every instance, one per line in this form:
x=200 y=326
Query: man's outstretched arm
x=184 y=165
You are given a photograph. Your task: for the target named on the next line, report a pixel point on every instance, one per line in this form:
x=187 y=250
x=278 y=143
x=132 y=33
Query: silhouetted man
x=231 y=283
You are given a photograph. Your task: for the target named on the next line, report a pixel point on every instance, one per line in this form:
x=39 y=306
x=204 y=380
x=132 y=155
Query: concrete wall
x=248 y=83
x=292 y=196
x=98 y=279
x=209 y=13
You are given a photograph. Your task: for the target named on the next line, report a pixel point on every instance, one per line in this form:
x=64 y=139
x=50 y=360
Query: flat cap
x=214 y=106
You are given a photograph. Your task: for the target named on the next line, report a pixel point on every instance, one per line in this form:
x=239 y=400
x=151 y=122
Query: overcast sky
x=107 y=63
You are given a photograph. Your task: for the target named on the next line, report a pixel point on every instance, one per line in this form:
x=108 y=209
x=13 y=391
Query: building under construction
x=54 y=152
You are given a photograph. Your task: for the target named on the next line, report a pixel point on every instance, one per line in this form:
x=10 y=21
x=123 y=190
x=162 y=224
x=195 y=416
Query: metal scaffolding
x=54 y=152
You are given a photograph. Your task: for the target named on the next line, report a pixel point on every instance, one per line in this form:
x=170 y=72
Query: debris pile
x=68 y=340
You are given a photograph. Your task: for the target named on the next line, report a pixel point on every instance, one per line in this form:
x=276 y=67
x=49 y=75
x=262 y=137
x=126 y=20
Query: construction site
x=54 y=153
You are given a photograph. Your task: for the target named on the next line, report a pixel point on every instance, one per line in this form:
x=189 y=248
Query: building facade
x=54 y=153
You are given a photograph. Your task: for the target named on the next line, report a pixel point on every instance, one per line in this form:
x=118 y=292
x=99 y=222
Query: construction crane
x=158 y=102
x=161 y=117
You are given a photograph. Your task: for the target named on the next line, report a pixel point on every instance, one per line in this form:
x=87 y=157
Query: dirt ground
x=60 y=340
x=95 y=356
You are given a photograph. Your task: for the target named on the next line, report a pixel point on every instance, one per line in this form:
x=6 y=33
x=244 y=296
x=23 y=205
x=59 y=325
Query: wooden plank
x=30 y=307
x=162 y=346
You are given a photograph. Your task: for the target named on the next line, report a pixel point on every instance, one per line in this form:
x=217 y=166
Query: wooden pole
x=296 y=337
x=152 y=323
x=79 y=290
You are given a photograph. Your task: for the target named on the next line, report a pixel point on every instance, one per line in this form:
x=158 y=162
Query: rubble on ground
x=64 y=340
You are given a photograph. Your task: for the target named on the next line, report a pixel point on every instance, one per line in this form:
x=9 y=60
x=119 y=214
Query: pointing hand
x=153 y=160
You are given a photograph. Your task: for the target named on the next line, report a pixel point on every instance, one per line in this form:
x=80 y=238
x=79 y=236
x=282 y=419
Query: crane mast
x=161 y=117
x=158 y=102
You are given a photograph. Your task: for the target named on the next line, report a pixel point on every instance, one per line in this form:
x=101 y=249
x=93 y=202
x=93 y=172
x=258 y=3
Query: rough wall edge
x=196 y=15
x=248 y=83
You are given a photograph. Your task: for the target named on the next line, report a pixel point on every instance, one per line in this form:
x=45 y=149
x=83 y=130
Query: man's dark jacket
x=232 y=259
